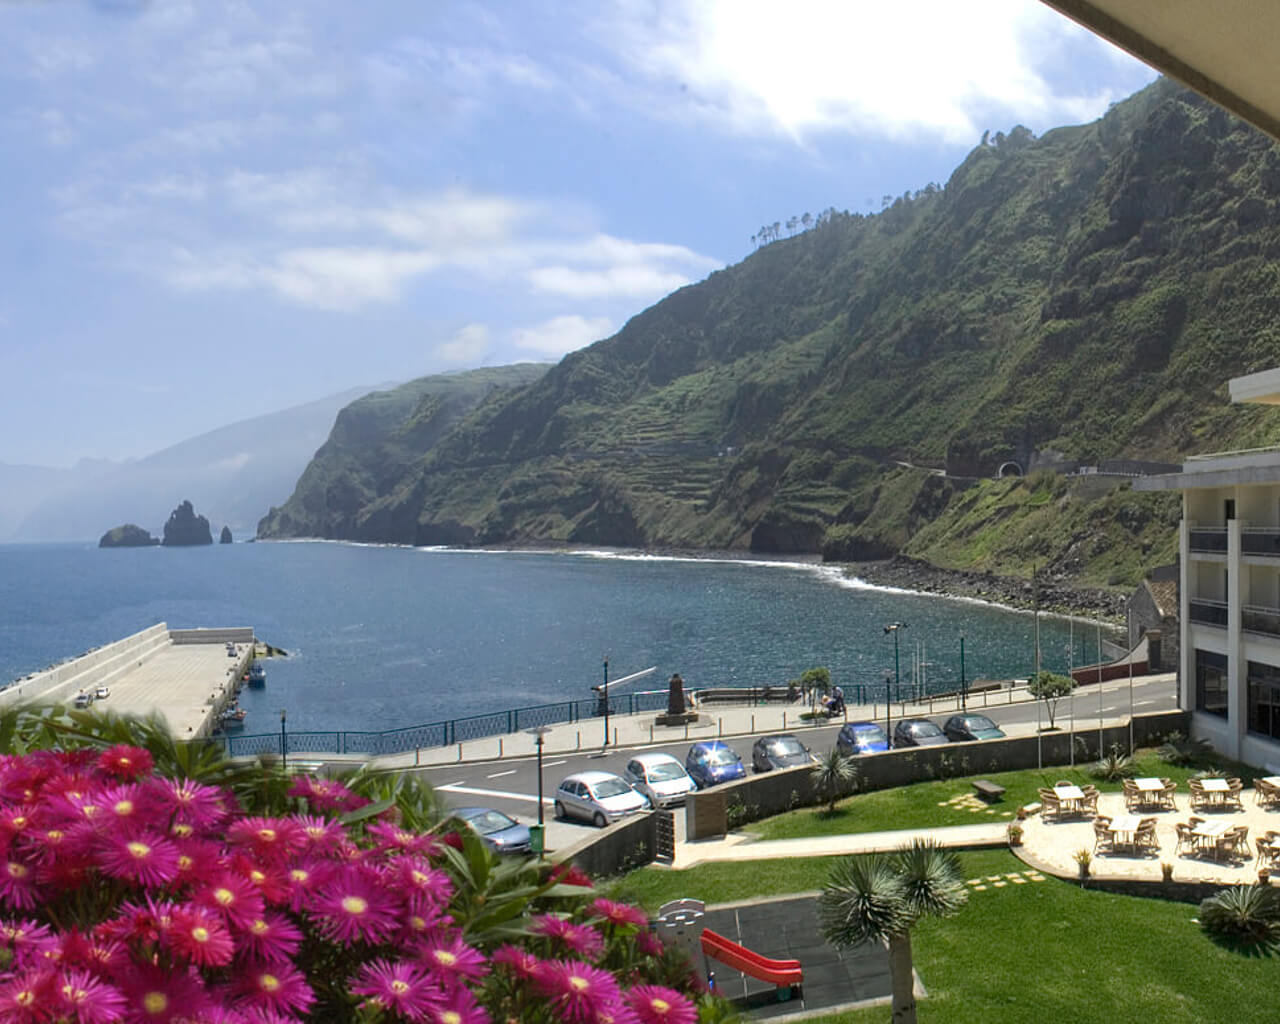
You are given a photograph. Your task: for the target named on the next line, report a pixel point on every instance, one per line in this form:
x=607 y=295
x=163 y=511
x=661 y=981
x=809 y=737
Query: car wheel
x=560 y=810
x=599 y=820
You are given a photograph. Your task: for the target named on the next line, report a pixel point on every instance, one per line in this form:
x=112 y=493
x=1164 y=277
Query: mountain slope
x=230 y=474
x=1088 y=292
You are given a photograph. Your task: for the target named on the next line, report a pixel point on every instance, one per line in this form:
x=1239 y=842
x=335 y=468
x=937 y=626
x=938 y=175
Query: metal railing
x=1212 y=541
x=1260 y=540
x=1208 y=613
x=1257 y=619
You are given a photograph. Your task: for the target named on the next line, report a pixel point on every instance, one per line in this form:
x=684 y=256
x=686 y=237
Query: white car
x=101 y=693
x=598 y=797
x=661 y=778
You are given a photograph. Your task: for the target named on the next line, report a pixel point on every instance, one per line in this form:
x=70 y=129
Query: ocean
x=384 y=637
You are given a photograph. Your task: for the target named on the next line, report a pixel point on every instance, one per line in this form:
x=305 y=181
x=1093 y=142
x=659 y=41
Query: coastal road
x=511 y=785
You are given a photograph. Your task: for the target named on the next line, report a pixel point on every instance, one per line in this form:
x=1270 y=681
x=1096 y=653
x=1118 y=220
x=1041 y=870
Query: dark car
x=861 y=738
x=713 y=761
x=781 y=751
x=917 y=732
x=960 y=728
x=501 y=832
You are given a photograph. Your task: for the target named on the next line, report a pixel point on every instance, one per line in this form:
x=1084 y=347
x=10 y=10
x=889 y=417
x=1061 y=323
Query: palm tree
x=879 y=897
x=833 y=775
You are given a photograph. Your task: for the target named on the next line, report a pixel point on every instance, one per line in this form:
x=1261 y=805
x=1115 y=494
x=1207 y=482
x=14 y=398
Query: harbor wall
x=62 y=682
x=229 y=635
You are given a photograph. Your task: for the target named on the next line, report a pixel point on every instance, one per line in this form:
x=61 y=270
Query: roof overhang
x=1224 y=49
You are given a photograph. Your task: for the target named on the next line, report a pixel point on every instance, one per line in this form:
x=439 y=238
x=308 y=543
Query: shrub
x=1181 y=750
x=1248 y=915
x=1113 y=767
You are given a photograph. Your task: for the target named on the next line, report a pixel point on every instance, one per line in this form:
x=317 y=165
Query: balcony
x=1209 y=613
x=1256 y=619
x=1260 y=541
x=1210 y=540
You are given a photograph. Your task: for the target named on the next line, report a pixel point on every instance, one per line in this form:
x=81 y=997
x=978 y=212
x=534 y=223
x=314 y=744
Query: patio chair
x=1235 y=842
x=1198 y=796
x=1145 y=837
x=1089 y=805
x=1102 y=834
x=1132 y=795
x=1235 y=789
x=1051 y=805
x=1266 y=850
x=1166 y=794
x=1267 y=793
x=1185 y=831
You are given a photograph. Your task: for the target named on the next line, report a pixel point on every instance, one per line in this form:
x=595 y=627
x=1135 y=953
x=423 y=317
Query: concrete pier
x=184 y=674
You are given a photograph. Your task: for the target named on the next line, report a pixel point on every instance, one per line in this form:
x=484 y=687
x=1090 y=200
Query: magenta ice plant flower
x=353 y=907
x=146 y=858
x=577 y=991
x=125 y=762
x=619 y=913
x=580 y=939
x=271 y=937
x=656 y=1004
x=277 y=987
x=396 y=985
x=86 y=999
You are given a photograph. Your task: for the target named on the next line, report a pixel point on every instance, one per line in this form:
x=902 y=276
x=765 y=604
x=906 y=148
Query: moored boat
x=257 y=677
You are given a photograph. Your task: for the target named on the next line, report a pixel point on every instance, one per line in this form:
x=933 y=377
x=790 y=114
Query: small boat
x=232 y=718
x=257 y=676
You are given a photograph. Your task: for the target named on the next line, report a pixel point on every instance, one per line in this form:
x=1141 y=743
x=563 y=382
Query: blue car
x=861 y=738
x=500 y=832
x=713 y=761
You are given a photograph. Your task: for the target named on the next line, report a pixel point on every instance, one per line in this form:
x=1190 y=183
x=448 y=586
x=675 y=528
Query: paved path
x=739 y=847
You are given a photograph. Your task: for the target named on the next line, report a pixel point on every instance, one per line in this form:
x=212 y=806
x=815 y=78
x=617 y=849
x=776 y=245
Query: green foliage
x=1113 y=767
x=1183 y=750
x=834 y=776
x=1243 y=915
x=1050 y=687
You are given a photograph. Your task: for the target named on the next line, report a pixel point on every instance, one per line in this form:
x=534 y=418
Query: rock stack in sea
x=128 y=536
x=185 y=528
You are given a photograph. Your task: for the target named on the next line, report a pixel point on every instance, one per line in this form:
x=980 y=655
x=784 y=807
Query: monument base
x=685 y=718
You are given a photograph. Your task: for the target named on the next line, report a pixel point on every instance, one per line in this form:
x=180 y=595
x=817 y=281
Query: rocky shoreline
x=1056 y=595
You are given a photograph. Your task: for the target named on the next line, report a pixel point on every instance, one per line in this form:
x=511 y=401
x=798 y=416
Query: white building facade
x=1229 y=619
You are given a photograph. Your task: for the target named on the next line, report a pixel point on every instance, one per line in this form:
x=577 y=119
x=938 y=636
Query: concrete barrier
x=229 y=635
x=762 y=796
x=622 y=846
x=62 y=681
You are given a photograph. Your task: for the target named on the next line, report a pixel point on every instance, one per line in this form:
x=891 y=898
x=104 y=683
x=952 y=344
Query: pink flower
x=452 y=959
x=191 y=802
x=649 y=944
x=354 y=906
x=325 y=794
x=200 y=935
x=655 y=1004
x=268 y=839
x=306 y=880
x=233 y=897
x=279 y=988
x=580 y=939
x=458 y=1007
x=25 y=998
x=576 y=990
x=425 y=887
x=125 y=762
x=619 y=913
x=154 y=995
x=17 y=884
x=320 y=835
x=138 y=922
x=571 y=874
x=26 y=941
x=518 y=961
x=397 y=986
x=272 y=937
x=86 y=999
x=124 y=807
x=147 y=859
x=393 y=838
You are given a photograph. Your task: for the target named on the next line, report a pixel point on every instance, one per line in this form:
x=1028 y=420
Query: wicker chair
x=1267 y=851
x=1198 y=796
x=1265 y=793
x=1090 y=802
x=1102 y=834
x=1049 y=804
x=1234 y=792
x=1132 y=795
x=1145 y=837
x=1185 y=831
x=1166 y=794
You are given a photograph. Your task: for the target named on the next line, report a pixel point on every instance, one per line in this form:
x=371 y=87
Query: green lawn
x=928 y=804
x=1043 y=951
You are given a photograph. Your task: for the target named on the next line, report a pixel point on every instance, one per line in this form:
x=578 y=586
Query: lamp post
x=605 y=694
x=284 y=743
x=964 y=692
x=538 y=732
x=893 y=628
x=888 y=708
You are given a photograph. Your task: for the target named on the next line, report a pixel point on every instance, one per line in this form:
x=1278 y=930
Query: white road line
x=472 y=791
x=498 y=775
x=552 y=764
x=1144 y=703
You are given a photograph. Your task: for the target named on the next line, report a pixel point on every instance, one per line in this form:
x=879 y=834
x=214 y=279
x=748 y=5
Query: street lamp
x=893 y=628
x=964 y=690
x=538 y=732
x=284 y=743
x=605 y=694
x=888 y=709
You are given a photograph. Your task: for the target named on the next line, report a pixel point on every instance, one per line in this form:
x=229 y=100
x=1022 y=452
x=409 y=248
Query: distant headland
x=184 y=528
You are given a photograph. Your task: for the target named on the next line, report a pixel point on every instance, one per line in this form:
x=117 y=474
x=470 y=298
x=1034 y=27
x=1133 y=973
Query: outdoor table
x=1151 y=791
x=1212 y=832
x=1272 y=780
x=1217 y=789
x=1069 y=797
x=1124 y=825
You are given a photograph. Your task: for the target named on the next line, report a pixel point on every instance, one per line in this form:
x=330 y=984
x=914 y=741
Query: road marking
x=498 y=775
x=1144 y=703
x=552 y=764
x=472 y=791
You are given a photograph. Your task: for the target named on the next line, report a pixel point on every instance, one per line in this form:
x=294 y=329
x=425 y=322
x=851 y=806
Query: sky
x=214 y=210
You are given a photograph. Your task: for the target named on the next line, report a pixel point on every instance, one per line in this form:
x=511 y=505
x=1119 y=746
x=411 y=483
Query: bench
x=989 y=791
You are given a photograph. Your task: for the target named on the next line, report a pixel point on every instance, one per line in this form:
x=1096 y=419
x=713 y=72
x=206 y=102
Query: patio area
x=1126 y=847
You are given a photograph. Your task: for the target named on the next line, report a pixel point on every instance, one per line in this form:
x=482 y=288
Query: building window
x=1211 y=683
x=1264 y=699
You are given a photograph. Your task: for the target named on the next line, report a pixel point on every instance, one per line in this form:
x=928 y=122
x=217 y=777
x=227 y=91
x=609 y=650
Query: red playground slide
x=783 y=973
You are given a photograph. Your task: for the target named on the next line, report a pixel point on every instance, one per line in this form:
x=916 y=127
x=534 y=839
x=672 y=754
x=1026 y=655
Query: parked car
x=661 y=778
x=917 y=732
x=861 y=738
x=781 y=751
x=713 y=761
x=501 y=832
x=101 y=693
x=960 y=728
x=597 y=797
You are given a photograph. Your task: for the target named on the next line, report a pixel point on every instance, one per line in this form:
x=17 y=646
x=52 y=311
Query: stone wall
x=774 y=792
x=61 y=682
x=228 y=635
x=622 y=846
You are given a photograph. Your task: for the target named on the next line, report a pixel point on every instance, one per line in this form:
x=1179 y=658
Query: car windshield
x=979 y=722
x=785 y=747
x=490 y=821
x=722 y=755
x=609 y=787
x=665 y=772
x=925 y=729
x=868 y=732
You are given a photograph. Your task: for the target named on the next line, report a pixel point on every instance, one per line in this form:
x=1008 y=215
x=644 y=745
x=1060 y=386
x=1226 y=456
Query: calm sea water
x=387 y=637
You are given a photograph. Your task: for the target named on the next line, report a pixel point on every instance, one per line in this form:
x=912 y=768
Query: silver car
x=661 y=778
x=597 y=797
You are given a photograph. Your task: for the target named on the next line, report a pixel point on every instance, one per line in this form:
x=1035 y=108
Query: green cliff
x=1086 y=293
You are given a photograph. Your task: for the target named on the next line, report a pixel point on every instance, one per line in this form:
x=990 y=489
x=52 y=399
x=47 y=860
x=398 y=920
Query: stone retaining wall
x=63 y=681
x=622 y=846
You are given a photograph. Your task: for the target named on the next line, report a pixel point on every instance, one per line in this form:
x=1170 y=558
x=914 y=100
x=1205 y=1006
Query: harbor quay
x=188 y=676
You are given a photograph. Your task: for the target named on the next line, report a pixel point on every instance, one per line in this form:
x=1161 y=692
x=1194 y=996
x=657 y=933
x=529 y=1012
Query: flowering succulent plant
x=129 y=896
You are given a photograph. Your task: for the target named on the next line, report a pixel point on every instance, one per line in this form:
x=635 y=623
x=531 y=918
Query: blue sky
x=215 y=210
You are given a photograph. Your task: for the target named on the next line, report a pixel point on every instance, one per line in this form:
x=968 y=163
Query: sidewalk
x=723 y=720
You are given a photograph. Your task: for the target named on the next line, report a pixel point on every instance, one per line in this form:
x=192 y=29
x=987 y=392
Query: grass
x=945 y=802
x=1040 y=951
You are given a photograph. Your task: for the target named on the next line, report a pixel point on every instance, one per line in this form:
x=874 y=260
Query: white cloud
x=466 y=348
x=929 y=68
x=562 y=334
x=634 y=281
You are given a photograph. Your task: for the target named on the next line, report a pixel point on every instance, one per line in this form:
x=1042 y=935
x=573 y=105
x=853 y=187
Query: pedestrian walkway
x=739 y=846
